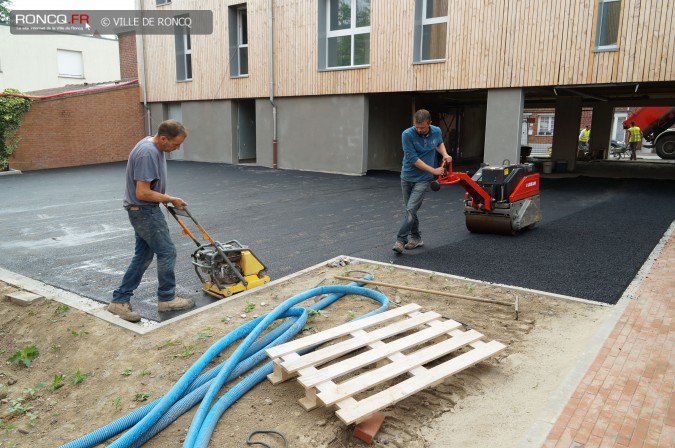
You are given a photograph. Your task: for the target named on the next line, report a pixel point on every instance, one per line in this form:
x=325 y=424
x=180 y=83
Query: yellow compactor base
x=251 y=269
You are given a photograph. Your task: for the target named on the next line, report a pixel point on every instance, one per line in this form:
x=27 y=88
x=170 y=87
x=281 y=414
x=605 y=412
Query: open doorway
x=246 y=131
x=174 y=112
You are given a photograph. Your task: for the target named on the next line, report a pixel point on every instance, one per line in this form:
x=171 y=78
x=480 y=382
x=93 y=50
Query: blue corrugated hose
x=147 y=421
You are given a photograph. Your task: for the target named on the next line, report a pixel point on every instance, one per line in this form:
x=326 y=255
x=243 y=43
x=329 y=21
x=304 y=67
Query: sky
x=20 y=5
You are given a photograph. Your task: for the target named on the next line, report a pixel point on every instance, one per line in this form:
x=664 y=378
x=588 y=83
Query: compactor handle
x=175 y=212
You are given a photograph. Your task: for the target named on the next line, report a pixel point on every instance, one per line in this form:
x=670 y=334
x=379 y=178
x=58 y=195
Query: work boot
x=124 y=311
x=413 y=243
x=177 y=303
x=398 y=247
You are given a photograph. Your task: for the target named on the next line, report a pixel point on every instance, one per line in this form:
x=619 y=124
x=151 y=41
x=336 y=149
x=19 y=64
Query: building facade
x=36 y=62
x=329 y=85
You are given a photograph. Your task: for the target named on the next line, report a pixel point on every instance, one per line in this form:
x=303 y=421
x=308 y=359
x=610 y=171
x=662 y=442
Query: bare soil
x=494 y=403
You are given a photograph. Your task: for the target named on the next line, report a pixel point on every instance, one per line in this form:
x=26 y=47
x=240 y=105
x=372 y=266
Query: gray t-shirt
x=148 y=164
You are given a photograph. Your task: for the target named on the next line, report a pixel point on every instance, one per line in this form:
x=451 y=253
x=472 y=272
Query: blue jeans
x=152 y=237
x=413 y=195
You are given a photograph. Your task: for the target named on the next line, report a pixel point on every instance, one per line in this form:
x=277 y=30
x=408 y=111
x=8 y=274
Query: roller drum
x=489 y=223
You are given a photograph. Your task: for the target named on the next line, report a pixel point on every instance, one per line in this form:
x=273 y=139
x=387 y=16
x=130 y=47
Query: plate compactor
x=229 y=267
x=499 y=199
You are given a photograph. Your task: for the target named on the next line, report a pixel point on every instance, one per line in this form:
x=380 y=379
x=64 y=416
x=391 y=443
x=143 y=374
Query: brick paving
x=627 y=397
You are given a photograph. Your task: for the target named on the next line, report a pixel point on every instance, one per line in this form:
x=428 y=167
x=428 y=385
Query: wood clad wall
x=490 y=44
x=210 y=56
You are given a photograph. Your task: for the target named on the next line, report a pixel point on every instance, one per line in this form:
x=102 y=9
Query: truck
x=655 y=124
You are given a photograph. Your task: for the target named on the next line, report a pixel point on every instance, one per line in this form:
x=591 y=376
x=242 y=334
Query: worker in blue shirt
x=420 y=142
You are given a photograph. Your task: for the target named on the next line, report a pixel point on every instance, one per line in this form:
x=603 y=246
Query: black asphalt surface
x=67 y=228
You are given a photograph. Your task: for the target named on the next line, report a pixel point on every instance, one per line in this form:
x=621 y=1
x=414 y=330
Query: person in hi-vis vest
x=584 y=136
x=634 y=139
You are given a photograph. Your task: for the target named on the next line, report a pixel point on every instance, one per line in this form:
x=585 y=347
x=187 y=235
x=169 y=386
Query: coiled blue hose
x=201 y=383
x=190 y=389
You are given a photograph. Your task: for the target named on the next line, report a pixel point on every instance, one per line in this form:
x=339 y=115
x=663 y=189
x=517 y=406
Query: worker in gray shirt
x=145 y=191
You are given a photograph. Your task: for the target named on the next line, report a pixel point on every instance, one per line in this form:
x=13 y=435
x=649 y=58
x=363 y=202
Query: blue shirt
x=147 y=164
x=417 y=147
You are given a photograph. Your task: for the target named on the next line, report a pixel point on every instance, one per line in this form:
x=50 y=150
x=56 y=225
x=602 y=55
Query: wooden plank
x=636 y=56
x=428 y=291
x=668 y=72
x=657 y=37
x=349 y=327
x=312 y=378
x=659 y=22
x=333 y=351
x=500 y=57
x=332 y=393
x=350 y=412
x=629 y=43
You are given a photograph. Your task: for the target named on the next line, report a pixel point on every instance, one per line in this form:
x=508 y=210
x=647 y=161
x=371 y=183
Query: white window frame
x=550 y=123
x=352 y=31
x=601 y=24
x=421 y=22
x=185 y=52
x=70 y=63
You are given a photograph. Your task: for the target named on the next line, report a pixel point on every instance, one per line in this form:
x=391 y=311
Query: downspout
x=148 y=124
x=271 y=64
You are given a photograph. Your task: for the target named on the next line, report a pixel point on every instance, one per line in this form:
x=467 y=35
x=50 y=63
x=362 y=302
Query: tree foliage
x=12 y=109
x=4 y=10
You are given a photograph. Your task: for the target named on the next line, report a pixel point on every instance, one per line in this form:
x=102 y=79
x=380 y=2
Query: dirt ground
x=494 y=403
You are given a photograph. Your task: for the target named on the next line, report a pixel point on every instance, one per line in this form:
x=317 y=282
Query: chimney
x=127 y=48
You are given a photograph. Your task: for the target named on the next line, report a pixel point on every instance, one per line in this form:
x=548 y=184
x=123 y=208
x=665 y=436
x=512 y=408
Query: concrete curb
x=10 y=172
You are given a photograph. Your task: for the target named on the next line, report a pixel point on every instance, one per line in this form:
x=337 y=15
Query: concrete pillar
x=566 y=130
x=601 y=129
x=502 y=125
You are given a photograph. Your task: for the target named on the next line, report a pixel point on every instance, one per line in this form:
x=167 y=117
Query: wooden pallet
x=359 y=345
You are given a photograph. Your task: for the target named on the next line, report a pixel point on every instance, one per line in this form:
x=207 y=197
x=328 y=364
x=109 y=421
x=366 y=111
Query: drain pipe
x=148 y=124
x=270 y=25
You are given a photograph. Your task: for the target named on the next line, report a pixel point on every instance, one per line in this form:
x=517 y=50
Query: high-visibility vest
x=585 y=134
x=634 y=134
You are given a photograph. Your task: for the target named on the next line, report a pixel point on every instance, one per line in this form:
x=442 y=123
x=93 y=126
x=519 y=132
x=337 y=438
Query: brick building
x=85 y=125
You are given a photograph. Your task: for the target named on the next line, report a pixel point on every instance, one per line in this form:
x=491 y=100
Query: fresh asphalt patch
x=592 y=253
x=66 y=227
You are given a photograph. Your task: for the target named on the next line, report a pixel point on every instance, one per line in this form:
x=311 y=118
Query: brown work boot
x=177 y=303
x=398 y=247
x=413 y=243
x=124 y=311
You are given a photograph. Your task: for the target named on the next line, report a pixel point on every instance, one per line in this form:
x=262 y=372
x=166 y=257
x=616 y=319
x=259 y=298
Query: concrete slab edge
x=538 y=433
x=97 y=309
x=482 y=282
x=10 y=172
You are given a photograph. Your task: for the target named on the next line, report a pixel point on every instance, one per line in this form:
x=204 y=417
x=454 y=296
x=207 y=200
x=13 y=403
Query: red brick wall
x=80 y=129
x=127 y=48
x=586 y=116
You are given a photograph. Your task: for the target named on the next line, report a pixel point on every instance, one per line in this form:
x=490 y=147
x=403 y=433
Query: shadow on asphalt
x=66 y=227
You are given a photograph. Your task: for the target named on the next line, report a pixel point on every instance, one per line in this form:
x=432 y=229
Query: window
x=183 y=53
x=344 y=33
x=618 y=132
x=609 y=12
x=238 y=26
x=162 y=2
x=70 y=63
x=431 y=29
x=545 y=124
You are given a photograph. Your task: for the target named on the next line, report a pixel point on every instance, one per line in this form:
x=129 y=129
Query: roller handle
x=444 y=179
